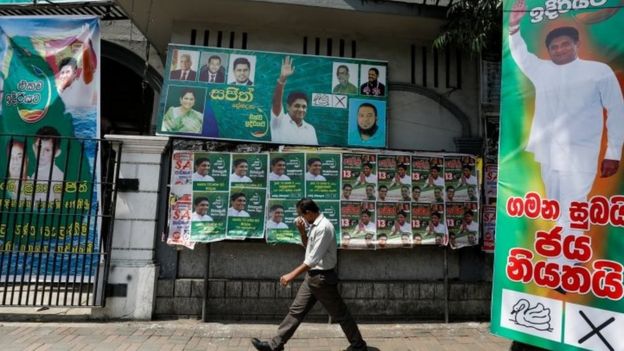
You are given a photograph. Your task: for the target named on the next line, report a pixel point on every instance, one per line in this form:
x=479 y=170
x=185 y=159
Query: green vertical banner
x=286 y=175
x=49 y=120
x=322 y=177
x=560 y=246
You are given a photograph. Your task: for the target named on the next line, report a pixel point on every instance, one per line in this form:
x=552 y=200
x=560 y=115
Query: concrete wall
x=243 y=276
x=391 y=284
x=133 y=270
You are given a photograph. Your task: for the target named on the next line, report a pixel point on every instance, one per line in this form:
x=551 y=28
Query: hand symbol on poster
x=287 y=69
x=518 y=11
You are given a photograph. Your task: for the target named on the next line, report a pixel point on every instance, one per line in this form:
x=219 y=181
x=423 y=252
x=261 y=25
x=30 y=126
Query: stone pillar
x=133 y=271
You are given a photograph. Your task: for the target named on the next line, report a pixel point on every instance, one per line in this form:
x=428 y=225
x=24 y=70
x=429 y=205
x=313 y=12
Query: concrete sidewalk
x=195 y=335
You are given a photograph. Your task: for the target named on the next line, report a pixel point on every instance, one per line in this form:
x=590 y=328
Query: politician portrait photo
x=367 y=123
x=241 y=70
x=213 y=67
x=184 y=110
x=344 y=78
x=373 y=80
x=184 y=65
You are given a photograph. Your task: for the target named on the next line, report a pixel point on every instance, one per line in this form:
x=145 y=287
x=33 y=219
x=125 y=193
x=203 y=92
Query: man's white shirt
x=232 y=212
x=200 y=218
x=235 y=178
x=202 y=178
x=310 y=176
x=273 y=176
x=321 y=249
x=285 y=130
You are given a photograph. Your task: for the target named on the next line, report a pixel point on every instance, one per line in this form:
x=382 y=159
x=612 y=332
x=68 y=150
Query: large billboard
x=368 y=196
x=560 y=205
x=49 y=186
x=275 y=98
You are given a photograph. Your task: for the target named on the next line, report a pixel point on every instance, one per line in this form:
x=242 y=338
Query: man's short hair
x=402 y=166
x=383 y=187
x=308 y=205
x=366 y=104
x=215 y=57
x=366 y=212
x=375 y=70
x=382 y=236
x=198 y=200
x=469 y=212
x=415 y=187
x=296 y=95
x=450 y=187
x=239 y=162
x=370 y=186
x=276 y=207
x=241 y=61
x=201 y=160
x=402 y=213
x=368 y=164
x=235 y=196
x=435 y=167
x=468 y=167
x=49 y=133
x=313 y=160
x=437 y=214
x=68 y=61
x=347 y=186
x=562 y=31
x=276 y=160
x=342 y=66
x=404 y=186
x=368 y=236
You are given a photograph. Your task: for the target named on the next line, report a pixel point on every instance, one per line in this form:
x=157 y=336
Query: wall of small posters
x=374 y=200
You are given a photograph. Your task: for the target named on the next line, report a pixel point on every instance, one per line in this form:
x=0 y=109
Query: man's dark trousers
x=319 y=286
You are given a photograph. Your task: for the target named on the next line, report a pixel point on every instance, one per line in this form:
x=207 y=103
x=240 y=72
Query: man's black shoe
x=261 y=345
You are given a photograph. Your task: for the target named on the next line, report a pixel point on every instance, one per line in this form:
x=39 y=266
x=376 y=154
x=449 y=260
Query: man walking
x=320 y=283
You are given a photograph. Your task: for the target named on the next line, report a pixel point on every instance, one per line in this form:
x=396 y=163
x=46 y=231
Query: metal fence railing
x=56 y=218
